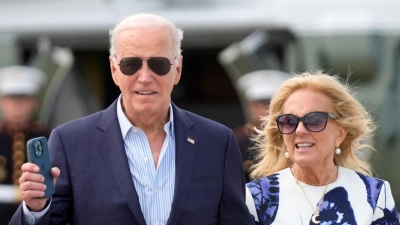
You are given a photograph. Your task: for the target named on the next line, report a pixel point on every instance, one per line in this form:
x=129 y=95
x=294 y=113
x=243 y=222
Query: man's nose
x=145 y=74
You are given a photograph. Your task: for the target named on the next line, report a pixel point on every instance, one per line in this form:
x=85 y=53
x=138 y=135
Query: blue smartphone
x=38 y=153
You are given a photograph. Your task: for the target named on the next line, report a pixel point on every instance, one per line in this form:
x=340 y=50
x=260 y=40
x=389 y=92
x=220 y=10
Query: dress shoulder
x=373 y=186
x=265 y=193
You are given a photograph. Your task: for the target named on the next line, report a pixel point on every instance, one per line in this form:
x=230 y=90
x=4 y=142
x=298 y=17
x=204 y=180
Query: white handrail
x=9 y=194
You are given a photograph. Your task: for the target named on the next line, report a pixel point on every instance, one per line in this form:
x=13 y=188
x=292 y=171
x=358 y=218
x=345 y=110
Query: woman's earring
x=337 y=151
x=286 y=154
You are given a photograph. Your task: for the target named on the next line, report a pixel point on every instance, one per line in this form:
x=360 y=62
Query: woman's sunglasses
x=159 y=65
x=313 y=121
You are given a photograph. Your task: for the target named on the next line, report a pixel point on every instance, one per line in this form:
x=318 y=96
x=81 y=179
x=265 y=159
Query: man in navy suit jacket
x=142 y=160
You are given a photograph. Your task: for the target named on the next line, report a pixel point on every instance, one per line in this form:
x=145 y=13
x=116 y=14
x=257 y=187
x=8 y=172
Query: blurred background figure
x=18 y=105
x=257 y=88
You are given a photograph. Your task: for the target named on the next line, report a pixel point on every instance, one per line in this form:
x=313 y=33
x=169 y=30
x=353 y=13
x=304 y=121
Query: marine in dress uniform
x=18 y=86
x=258 y=87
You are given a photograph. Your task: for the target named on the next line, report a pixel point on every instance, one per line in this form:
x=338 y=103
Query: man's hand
x=32 y=188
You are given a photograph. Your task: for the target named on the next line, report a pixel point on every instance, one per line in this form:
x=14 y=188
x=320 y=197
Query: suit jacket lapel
x=112 y=148
x=184 y=162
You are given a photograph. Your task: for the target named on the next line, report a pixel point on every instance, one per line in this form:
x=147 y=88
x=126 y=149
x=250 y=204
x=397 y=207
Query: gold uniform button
x=19 y=136
x=3 y=160
x=16 y=175
x=3 y=174
x=18 y=146
x=18 y=155
x=17 y=164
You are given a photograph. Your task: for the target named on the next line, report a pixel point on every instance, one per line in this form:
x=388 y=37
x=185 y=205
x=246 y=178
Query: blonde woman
x=307 y=171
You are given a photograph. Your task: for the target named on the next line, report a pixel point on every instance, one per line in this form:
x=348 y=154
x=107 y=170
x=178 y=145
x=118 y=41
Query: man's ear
x=178 y=70
x=114 y=68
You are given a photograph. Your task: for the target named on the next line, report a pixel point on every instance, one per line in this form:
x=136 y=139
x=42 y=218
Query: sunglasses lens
x=315 y=121
x=287 y=123
x=130 y=65
x=159 y=65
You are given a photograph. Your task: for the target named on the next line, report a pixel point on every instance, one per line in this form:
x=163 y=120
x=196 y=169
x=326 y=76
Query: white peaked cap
x=21 y=80
x=261 y=84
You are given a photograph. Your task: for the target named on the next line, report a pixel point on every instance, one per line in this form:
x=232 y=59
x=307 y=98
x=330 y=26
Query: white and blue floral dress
x=352 y=199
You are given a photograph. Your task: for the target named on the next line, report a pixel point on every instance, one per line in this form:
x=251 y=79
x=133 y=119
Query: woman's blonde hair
x=269 y=143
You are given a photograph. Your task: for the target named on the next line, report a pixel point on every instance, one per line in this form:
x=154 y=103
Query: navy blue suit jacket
x=96 y=186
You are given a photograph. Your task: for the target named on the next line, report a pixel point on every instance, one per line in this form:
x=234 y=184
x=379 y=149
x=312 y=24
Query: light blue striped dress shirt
x=154 y=186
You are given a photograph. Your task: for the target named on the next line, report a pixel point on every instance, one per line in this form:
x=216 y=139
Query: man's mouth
x=145 y=92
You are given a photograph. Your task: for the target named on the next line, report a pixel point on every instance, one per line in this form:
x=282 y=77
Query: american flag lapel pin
x=191 y=141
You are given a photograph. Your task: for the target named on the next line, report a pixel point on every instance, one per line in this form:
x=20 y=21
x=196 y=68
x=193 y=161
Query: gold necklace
x=315 y=210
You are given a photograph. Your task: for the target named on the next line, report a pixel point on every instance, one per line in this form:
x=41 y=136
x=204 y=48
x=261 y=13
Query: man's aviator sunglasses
x=313 y=121
x=159 y=65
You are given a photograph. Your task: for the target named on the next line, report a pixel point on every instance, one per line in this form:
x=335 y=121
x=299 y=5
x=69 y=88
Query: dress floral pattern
x=352 y=199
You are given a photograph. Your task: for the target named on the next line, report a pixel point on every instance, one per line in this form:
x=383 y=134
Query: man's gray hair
x=143 y=20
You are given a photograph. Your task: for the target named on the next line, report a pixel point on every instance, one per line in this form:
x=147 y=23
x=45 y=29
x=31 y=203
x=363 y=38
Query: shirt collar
x=125 y=125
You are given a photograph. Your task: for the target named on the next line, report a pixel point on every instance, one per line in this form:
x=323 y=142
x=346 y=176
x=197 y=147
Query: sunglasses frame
x=148 y=64
x=326 y=114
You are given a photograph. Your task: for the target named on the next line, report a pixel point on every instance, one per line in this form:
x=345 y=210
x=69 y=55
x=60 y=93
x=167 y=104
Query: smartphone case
x=38 y=153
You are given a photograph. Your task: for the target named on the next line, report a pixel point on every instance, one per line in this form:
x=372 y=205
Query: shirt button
x=157 y=223
x=134 y=130
x=145 y=159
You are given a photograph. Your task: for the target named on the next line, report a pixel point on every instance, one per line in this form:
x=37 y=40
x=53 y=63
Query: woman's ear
x=342 y=133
